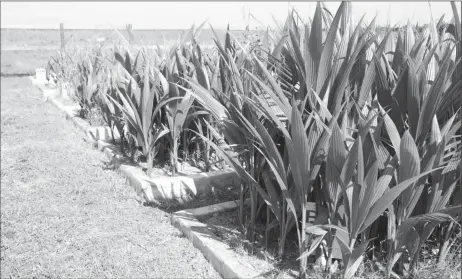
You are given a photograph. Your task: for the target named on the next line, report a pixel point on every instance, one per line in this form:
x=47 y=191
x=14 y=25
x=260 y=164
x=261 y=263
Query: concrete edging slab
x=150 y=189
x=219 y=254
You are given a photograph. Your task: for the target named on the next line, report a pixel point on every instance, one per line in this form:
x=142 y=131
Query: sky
x=181 y=15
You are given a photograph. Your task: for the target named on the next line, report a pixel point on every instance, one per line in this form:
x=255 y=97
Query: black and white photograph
x=264 y=139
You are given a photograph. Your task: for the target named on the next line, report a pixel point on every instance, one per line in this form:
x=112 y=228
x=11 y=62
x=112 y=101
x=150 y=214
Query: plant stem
x=122 y=142
x=352 y=243
x=207 y=147
x=175 y=157
x=303 y=261
x=112 y=134
x=283 y=228
x=267 y=225
x=253 y=197
x=132 y=152
x=241 y=205
x=185 y=146
x=149 y=161
x=444 y=249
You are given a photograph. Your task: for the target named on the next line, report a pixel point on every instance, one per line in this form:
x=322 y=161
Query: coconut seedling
x=328 y=116
x=137 y=106
x=87 y=84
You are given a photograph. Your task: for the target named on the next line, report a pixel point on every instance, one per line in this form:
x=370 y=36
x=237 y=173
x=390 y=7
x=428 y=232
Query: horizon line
x=109 y=29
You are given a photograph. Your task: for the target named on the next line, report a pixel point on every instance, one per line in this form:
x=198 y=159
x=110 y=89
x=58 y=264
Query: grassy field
x=25 y=50
x=48 y=37
x=63 y=214
x=21 y=62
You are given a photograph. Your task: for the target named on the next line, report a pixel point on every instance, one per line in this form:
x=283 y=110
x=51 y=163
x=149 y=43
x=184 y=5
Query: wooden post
x=129 y=29
x=61 y=28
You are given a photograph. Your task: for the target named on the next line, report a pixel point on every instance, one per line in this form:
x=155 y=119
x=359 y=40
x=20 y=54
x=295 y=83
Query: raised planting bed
x=222 y=244
x=215 y=230
x=159 y=185
x=190 y=183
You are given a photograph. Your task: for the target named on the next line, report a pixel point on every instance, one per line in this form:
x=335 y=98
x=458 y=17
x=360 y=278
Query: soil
x=226 y=227
x=164 y=168
x=215 y=196
x=65 y=101
x=264 y=258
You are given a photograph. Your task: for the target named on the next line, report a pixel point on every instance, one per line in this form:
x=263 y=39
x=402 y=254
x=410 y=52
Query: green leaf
x=431 y=103
x=348 y=168
x=270 y=147
x=158 y=135
x=165 y=100
x=325 y=63
x=338 y=146
x=413 y=99
x=392 y=132
x=409 y=39
x=336 y=158
x=409 y=167
x=366 y=85
x=457 y=22
x=355 y=260
x=410 y=160
x=300 y=142
x=207 y=100
x=388 y=197
x=358 y=185
x=272 y=194
x=147 y=106
x=410 y=223
x=343 y=78
x=277 y=50
x=362 y=204
x=314 y=244
x=277 y=95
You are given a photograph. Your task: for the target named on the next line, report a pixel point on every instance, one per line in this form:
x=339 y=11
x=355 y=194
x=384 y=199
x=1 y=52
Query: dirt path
x=64 y=215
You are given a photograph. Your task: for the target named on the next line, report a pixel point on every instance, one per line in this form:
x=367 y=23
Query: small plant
x=62 y=67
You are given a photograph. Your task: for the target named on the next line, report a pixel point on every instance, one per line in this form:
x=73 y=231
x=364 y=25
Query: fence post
x=61 y=28
x=129 y=29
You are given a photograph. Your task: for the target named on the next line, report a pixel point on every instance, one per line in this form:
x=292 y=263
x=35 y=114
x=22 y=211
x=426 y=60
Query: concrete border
x=72 y=114
x=219 y=254
x=179 y=188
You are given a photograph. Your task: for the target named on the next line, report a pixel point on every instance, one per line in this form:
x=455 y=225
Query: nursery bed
x=215 y=231
x=158 y=186
x=225 y=226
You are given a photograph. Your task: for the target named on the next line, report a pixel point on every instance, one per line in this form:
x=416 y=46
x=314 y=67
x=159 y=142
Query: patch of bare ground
x=63 y=214
x=225 y=226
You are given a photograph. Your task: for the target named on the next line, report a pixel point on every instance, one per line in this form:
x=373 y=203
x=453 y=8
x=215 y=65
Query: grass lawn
x=25 y=50
x=64 y=215
x=21 y=62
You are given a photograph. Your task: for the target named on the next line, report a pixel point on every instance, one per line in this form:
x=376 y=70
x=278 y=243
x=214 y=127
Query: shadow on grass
x=198 y=233
x=195 y=201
